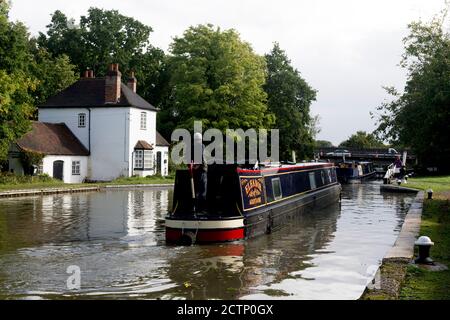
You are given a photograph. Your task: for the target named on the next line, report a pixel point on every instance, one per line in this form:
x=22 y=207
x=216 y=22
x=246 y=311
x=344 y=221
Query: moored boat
x=355 y=171
x=243 y=202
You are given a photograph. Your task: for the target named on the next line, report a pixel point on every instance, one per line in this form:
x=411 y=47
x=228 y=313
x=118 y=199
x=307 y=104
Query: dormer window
x=82 y=120
x=143 y=121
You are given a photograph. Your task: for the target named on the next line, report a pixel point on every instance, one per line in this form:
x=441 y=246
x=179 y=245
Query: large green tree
x=15 y=87
x=215 y=77
x=103 y=37
x=420 y=116
x=27 y=76
x=290 y=98
x=362 y=140
x=53 y=73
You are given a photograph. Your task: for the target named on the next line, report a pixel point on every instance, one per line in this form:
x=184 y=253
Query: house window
x=276 y=187
x=143 y=159
x=40 y=168
x=139 y=159
x=82 y=120
x=143 y=121
x=76 y=168
x=148 y=159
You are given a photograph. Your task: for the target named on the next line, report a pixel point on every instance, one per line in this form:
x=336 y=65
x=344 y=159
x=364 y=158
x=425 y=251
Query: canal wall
x=49 y=191
x=391 y=274
x=403 y=249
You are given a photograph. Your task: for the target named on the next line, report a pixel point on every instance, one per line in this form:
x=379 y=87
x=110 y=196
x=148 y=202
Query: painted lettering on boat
x=253 y=191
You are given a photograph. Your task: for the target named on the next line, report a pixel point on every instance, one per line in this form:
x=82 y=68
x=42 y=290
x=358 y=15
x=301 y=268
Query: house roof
x=142 y=144
x=90 y=93
x=160 y=141
x=52 y=139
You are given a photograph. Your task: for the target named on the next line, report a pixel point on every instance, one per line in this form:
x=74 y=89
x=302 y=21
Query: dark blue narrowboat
x=241 y=202
x=355 y=171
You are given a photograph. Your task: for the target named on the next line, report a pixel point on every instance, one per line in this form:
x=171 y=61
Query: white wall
x=114 y=133
x=67 y=169
x=136 y=134
x=69 y=116
x=164 y=159
x=109 y=137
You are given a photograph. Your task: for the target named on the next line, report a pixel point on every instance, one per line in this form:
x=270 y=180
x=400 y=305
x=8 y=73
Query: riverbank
x=399 y=278
x=47 y=185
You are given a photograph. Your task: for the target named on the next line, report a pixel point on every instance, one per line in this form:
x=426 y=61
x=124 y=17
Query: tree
x=362 y=140
x=216 y=78
x=53 y=74
x=104 y=37
x=419 y=117
x=290 y=98
x=323 y=144
x=15 y=108
x=15 y=87
x=27 y=76
x=14 y=45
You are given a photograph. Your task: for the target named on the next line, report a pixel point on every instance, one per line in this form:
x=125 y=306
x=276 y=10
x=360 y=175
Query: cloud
x=345 y=49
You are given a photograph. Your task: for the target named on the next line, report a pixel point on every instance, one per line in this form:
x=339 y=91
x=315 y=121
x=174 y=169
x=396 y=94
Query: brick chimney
x=88 y=74
x=112 y=84
x=132 y=82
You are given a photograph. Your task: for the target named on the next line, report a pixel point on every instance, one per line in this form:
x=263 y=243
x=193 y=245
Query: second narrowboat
x=354 y=171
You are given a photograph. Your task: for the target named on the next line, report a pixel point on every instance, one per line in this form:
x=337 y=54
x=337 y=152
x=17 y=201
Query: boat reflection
x=230 y=271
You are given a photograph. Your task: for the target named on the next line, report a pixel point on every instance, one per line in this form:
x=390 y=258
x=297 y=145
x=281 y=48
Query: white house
x=65 y=156
x=115 y=125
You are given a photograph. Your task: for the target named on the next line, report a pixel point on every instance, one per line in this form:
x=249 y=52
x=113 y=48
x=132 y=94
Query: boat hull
x=251 y=224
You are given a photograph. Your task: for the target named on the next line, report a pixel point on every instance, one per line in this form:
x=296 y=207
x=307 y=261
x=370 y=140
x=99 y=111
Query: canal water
x=116 y=239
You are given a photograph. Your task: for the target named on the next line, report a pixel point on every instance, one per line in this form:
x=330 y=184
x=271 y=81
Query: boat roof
x=287 y=167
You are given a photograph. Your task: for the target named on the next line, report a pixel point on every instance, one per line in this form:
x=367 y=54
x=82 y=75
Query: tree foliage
x=27 y=76
x=15 y=108
x=53 y=74
x=216 y=78
x=420 y=116
x=362 y=140
x=103 y=37
x=323 y=144
x=290 y=98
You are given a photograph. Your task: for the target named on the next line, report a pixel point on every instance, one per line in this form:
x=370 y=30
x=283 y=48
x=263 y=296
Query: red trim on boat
x=330 y=165
x=207 y=235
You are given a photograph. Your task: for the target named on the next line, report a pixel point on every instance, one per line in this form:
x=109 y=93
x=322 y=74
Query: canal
x=116 y=238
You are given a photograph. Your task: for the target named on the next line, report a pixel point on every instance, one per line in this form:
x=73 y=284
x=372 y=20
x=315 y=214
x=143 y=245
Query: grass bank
x=10 y=182
x=404 y=281
x=420 y=283
x=437 y=184
x=142 y=180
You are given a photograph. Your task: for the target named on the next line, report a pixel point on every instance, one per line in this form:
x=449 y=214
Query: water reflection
x=117 y=239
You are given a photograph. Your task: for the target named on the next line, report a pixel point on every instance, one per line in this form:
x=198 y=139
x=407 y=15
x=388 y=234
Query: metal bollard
x=424 y=244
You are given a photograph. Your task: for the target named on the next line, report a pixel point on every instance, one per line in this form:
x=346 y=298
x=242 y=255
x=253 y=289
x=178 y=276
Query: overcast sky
x=347 y=49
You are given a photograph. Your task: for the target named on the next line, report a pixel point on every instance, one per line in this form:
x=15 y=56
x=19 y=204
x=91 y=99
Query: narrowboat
x=355 y=171
x=242 y=202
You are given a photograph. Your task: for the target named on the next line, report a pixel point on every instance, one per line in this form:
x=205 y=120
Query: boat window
x=312 y=180
x=330 y=180
x=276 y=187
